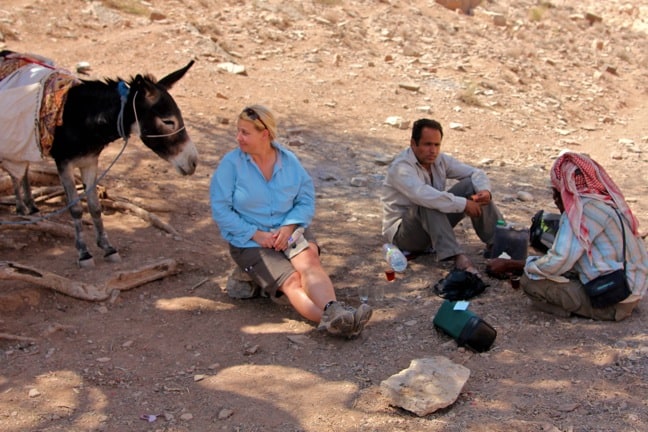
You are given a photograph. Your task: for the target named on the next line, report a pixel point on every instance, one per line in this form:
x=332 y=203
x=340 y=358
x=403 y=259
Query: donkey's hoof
x=113 y=257
x=86 y=263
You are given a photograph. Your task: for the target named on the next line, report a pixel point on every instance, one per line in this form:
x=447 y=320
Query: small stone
x=225 y=413
x=359 y=181
x=252 y=350
x=409 y=86
x=626 y=142
x=593 y=18
x=383 y=160
x=232 y=68
x=199 y=377
x=429 y=384
x=499 y=20
x=398 y=122
x=83 y=67
x=296 y=141
x=157 y=16
x=186 y=416
x=524 y=196
x=34 y=393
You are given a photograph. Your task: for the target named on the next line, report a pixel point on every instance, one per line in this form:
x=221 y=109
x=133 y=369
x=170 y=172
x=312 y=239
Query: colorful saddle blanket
x=33 y=92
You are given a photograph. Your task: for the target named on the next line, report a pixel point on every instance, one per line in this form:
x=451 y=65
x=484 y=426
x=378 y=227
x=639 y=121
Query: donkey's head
x=161 y=127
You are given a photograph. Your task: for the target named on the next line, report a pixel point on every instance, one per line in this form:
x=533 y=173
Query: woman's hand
x=281 y=237
x=264 y=238
x=277 y=240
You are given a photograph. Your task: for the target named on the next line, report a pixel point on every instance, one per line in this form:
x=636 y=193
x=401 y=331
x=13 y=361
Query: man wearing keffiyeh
x=588 y=244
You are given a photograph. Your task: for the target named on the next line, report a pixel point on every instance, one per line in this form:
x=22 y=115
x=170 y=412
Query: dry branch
x=8 y=336
x=131 y=279
x=141 y=213
x=32 y=224
x=123 y=281
x=15 y=271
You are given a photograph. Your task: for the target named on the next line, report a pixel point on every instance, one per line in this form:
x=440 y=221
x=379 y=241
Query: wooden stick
x=141 y=213
x=131 y=279
x=146 y=205
x=15 y=271
x=198 y=284
x=123 y=281
x=8 y=336
x=50 y=227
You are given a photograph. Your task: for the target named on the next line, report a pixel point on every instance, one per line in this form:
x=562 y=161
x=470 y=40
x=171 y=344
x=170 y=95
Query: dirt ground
x=556 y=75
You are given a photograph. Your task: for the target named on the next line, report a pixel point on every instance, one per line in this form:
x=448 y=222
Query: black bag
x=542 y=233
x=609 y=289
x=459 y=285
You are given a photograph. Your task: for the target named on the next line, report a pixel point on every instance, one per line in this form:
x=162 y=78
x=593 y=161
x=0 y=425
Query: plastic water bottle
x=394 y=257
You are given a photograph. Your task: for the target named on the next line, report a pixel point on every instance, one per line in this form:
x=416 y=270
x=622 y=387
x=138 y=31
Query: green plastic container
x=464 y=327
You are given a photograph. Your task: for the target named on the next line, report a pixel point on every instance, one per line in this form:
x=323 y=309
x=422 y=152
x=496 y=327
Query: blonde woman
x=263 y=199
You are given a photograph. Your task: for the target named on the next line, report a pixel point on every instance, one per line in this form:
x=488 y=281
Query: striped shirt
x=567 y=253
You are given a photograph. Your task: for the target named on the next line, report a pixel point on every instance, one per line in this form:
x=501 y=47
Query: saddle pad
x=32 y=98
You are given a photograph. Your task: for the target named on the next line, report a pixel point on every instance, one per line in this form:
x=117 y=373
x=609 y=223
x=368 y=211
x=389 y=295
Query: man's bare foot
x=462 y=262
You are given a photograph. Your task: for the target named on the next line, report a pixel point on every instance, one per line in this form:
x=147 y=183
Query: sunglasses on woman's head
x=253 y=115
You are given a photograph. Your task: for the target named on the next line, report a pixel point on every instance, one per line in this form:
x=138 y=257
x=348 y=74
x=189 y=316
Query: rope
x=151 y=136
x=123 y=90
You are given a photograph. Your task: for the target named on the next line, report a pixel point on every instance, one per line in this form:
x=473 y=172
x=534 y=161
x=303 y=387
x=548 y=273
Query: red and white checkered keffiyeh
x=576 y=176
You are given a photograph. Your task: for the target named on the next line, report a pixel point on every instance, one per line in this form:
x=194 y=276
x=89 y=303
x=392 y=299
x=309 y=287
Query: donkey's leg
x=66 y=175
x=21 y=208
x=89 y=177
x=18 y=172
x=27 y=193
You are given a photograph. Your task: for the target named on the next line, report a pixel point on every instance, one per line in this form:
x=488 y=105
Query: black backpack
x=542 y=233
x=459 y=285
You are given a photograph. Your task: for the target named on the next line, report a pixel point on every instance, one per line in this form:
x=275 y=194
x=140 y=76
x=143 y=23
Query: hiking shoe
x=338 y=319
x=360 y=319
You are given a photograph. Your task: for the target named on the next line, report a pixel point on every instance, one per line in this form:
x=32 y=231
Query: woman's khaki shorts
x=268 y=268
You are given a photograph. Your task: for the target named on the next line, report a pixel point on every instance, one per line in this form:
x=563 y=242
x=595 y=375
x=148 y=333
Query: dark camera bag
x=609 y=289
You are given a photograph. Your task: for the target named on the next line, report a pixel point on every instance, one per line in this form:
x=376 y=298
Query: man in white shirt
x=418 y=212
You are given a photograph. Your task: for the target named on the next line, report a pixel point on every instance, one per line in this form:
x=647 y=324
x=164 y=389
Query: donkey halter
x=124 y=90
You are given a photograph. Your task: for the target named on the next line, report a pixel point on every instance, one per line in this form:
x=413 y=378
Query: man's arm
x=404 y=178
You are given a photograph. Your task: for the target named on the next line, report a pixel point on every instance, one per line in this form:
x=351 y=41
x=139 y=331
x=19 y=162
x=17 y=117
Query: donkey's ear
x=168 y=81
x=144 y=85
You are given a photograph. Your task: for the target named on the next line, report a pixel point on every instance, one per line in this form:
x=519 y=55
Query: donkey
x=96 y=113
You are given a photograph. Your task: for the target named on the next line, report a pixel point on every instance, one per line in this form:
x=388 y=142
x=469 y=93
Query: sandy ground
x=557 y=75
